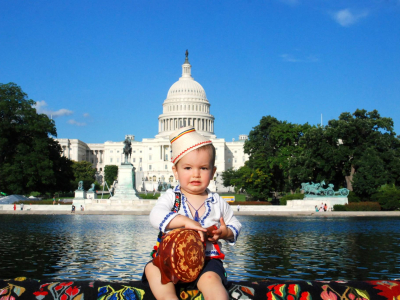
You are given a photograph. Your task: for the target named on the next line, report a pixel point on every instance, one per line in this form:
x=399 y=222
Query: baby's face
x=194 y=171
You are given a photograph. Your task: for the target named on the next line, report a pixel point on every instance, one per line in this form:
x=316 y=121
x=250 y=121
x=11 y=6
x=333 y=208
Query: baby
x=193 y=158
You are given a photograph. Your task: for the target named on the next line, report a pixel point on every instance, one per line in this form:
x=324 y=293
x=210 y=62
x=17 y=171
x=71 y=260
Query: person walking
x=22 y=206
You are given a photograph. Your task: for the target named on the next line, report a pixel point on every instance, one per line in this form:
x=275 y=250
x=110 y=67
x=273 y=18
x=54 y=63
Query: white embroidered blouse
x=215 y=206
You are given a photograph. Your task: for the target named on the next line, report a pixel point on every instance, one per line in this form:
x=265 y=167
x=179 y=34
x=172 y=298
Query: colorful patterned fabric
x=24 y=289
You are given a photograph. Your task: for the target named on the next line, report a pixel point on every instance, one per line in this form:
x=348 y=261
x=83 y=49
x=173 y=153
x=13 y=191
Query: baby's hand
x=220 y=233
x=191 y=224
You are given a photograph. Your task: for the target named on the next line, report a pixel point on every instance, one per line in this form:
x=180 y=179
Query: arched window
x=154 y=178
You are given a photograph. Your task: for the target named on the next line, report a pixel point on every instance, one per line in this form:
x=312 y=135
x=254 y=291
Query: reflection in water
x=117 y=248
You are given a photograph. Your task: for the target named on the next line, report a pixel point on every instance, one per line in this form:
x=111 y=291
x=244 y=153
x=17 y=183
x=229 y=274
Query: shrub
x=352 y=197
x=363 y=206
x=358 y=206
x=388 y=197
x=339 y=207
x=282 y=201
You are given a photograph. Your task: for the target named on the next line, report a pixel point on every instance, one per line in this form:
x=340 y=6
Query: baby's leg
x=159 y=290
x=211 y=286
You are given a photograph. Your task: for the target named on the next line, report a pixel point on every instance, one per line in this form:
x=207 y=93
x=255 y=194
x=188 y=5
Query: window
x=166 y=167
x=101 y=169
x=117 y=151
x=140 y=169
x=111 y=151
x=149 y=167
x=154 y=178
x=150 y=157
x=140 y=151
x=134 y=151
x=229 y=160
x=171 y=178
x=150 y=148
x=134 y=159
x=117 y=159
x=166 y=157
x=235 y=160
x=140 y=159
x=111 y=159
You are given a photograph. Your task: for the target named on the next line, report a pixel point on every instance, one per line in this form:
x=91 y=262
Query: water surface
x=114 y=248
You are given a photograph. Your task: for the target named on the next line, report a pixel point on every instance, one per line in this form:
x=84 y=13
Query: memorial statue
x=80 y=185
x=317 y=189
x=187 y=53
x=92 y=188
x=127 y=150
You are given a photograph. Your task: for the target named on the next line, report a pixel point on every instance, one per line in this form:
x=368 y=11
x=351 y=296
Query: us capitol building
x=186 y=104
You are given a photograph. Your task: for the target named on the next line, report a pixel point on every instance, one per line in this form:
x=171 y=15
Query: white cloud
x=345 y=17
x=291 y=58
x=41 y=109
x=86 y=115
x=76 y=123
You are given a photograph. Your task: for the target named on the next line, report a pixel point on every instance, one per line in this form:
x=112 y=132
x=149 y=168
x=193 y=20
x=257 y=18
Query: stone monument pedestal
x=91 y=195
x=80 y=194
x=125 y=189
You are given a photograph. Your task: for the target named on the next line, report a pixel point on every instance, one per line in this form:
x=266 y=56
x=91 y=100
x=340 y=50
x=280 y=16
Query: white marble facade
x=186 y=104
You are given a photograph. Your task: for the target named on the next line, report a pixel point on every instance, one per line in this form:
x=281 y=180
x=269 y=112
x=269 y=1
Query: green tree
x=30 y=159
x=83 y=171
x=359 y=150
x=110 y=174
x=271 y=146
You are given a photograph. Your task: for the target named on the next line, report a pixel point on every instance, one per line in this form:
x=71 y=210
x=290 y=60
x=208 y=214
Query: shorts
x=210 y=265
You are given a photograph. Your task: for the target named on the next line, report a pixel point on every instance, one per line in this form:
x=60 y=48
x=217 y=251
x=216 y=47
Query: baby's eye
x=204 y=168
x=187 y=168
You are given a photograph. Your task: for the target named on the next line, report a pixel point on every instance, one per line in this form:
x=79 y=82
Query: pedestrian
x=54 y=200
x=22 y=206
x=325 y=207
x=238 y=207
x=15 y=206
x=316 y=208
x=73 y=208
x=82 y=209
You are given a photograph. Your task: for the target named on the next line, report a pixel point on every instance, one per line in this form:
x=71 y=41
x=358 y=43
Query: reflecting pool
x=114 y=248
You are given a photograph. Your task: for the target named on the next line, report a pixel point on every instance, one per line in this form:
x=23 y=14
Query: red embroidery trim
x=206 y=142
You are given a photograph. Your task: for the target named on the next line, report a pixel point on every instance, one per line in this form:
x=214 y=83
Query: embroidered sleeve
x=230 y=220
x=161 y=214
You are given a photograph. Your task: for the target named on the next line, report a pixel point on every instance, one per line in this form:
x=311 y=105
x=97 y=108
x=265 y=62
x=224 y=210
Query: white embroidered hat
x=185 y=140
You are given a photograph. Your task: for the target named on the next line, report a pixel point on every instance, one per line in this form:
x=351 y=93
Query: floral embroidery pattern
x=389 y=289
x=287 y=292
x=59 y=291
x=11 y=292
x=350 y=293
x=127 y=292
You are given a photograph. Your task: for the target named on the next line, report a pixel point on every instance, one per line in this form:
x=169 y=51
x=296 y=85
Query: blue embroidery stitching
x=165 y=219
x=184 y=205
x=206 y=214
x=235 y=230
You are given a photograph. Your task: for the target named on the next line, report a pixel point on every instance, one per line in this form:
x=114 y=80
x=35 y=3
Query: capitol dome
x=186 y=104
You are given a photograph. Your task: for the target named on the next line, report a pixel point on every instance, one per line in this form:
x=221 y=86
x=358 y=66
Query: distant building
x=186 y=104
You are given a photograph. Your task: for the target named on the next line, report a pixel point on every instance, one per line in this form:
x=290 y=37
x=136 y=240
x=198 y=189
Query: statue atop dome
x=187 y=53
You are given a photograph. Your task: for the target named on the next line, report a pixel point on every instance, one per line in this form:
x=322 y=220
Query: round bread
x=181 y=256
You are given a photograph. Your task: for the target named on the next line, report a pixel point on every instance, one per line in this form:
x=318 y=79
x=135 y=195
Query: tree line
x=31 y=159
x=359 y=151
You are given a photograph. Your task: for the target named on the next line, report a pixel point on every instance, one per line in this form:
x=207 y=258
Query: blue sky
x=102 y=69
